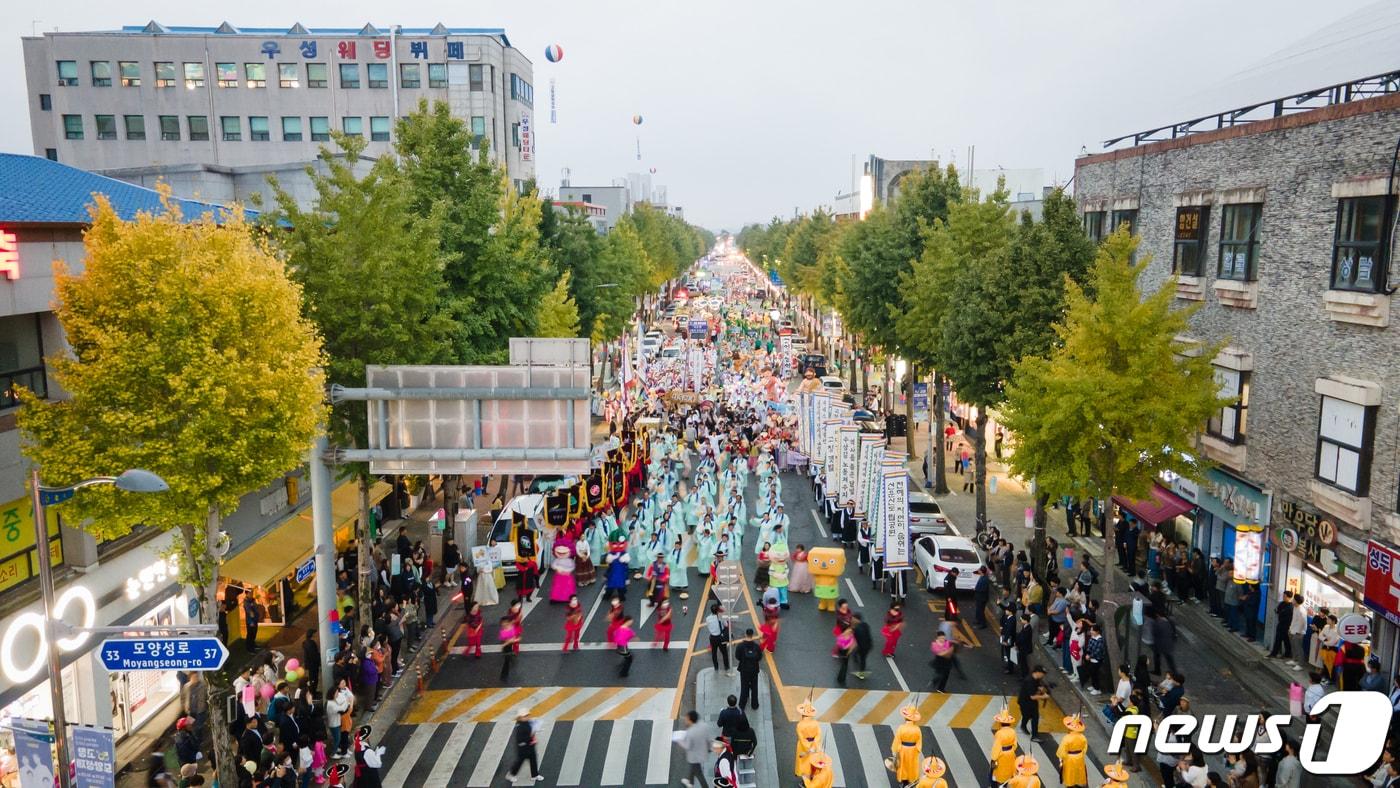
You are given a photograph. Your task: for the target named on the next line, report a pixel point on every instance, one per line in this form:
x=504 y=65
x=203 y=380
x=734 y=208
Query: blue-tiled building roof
x=34 y=190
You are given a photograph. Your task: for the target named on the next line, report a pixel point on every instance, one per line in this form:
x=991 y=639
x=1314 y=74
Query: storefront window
x=21 y=358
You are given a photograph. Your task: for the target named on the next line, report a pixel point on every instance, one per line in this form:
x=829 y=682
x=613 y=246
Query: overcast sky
x=754 y=107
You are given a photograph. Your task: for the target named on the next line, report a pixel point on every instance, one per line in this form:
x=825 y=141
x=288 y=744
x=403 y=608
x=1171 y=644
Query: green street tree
x=370 y=265
x=448 y=169
x=1119 y=399
x=558 y=315
x=514 y=271
x=190 y=358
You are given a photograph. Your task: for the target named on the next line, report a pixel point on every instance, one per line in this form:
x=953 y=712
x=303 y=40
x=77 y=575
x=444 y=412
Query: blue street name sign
x=182 y=653
x=699 y=329
x=306 y=570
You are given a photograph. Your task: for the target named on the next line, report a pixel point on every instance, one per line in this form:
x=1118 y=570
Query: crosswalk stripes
x=880 y=707
x=591 y=752
x=494 y=704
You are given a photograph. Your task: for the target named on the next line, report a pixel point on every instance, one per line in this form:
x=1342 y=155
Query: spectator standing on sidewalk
x=1163 y=640
x=1095 y=654
x=1283 y=622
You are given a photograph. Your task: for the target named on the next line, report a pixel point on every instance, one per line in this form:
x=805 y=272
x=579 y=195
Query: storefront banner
x=894 y=513
x=1302 y=530
x=1383 y=581
x=94 y=756
x=33 y=751
x=850 y=461
x=831 y=431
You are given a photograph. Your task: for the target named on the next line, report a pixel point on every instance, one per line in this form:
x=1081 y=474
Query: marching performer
x=934 y=769
x=821 y=776
x=809 y=739
x=1027 y=771
x=573 y=624
x=663 y=624
x=1072 y=751
x=1003 y=752
x=907 y=750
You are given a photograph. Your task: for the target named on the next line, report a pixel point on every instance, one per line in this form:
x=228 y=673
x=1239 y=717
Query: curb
x=710 y=693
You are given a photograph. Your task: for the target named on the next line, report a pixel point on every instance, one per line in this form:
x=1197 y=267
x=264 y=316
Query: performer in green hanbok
x=676 y=558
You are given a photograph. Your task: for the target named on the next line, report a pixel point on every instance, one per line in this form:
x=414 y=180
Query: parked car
x=834 y=385
x=673 y=351
x=937 y=555
x=926 y=516
x=813 y=361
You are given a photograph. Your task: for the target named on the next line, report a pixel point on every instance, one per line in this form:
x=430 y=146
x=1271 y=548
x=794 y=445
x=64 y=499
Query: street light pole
x=40 y=496
x=41 y=544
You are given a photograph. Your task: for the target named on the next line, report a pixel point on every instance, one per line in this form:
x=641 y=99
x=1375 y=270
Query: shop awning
x=1162 y=506
x=278 y=552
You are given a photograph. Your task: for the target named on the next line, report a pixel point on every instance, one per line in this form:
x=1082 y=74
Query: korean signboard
x=830 y=447
x=872 y=450
x=34 y=752
x=93 y=757
x=821 y=411
x=894 y=514
x=1383 y=581
x=9 y=255
x=18 y=561
x=527 y=149
x=1302 y=530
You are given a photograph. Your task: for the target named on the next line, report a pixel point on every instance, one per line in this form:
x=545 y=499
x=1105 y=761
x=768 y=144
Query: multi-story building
x=1278 y=219
x=122 y=581
x=615 y=200
x=214 y=110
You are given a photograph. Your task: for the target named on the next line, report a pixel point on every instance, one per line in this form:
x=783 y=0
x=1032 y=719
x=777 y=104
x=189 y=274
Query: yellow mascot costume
x=826 y=565
x=934 y=768
x=821 y=776
x=809 y=739
x=1073 y=749
x=907 y=750
x=1003 y=754
x=1027 y=770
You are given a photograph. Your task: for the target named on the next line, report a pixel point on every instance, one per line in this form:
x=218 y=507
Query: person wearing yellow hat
x=821 y=776
x=809 y=739
x=1072 y=752
x=1003 y=752
x=907 y=750
x=1027 y=773
x=934 y=769
x=1117 y=776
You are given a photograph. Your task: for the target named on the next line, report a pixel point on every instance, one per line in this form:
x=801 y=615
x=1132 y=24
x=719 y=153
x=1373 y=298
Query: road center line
x=897 y=675
x=816 y=518
x=602 y=592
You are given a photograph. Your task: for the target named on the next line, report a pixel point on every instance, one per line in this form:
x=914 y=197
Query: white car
x=937 y=555
x=926 y=516
x=671 y=352
x=834 y=385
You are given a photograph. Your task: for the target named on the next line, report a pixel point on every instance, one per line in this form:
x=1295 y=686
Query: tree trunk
x=853 y=362
x=939 y=417
x=1038 y=537
x=888 y=394
x=909 y=415
x=505 y=485
x=979 y=446
x=1110 y=585
x=864 y=376
x=217 y=684
x=364 y=599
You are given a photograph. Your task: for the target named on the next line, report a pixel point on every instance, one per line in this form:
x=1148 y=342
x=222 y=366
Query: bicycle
x=987 y=534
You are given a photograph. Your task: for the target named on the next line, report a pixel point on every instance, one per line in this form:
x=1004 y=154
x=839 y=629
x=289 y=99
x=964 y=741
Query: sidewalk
x=158 y=734
x=711 y=691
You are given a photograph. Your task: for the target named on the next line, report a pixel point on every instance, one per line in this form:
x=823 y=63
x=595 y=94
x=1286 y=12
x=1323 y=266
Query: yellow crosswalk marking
x=623 y=709
x=543 y=708
x=422 y=710
x=461 y=706
x=931 y=705
x=505 y=704
x=883 y=709
x=843 y=704
x=970 y=711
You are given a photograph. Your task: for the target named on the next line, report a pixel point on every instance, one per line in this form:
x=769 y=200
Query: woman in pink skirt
x=562 y=586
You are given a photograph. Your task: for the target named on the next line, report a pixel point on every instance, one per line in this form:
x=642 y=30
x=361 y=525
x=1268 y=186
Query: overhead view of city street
x=736 y=395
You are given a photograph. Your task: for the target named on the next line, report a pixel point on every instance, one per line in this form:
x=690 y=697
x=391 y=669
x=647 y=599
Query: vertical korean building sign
x=9 y=255
x=527 y=151
x=18 y=561
x=1383 y=581
x=894 y=513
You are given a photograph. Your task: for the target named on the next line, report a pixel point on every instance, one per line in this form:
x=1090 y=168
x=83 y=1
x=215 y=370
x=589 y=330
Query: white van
x=504 y=532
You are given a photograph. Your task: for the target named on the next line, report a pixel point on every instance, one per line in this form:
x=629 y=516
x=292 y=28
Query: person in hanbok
x=562 y=586
x=584 y=571
x=677 y=560
x=664 y=624
x=485 y=593
x=573 y=624
x=800 y=578
x=658 y=576
x=705 y=547
x=778 y=572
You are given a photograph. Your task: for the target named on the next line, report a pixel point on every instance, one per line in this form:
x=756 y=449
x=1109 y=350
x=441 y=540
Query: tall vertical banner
x=894 y=514
x=804 y=418
x=867 y=470
x=93 y=757
x=821 y=411
x=33 y=751
x=697 y=369
x=850 y=463
x=831 y=448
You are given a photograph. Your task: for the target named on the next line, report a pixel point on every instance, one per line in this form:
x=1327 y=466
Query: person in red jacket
x=476 y=626
x=573 y=623
x=893 y=629
x=664 y=625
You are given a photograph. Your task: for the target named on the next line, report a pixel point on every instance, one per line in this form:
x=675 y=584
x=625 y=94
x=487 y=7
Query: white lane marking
x=829 y=747
x=854 y=593
x=597 y=602
x=871 y=759
x=959 y=770
x=659 y=763
x=571 y=771
x=615 y=764
x=408 y=755
x=450 y=756
x=868 y=701
x=897 y=675
x=490 y=760
x=817 y=520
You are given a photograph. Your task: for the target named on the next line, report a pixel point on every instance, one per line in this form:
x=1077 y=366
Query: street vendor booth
x=278 y=568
